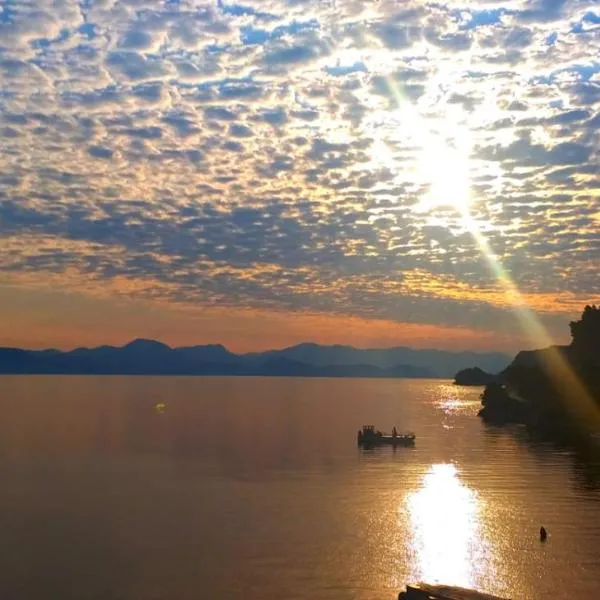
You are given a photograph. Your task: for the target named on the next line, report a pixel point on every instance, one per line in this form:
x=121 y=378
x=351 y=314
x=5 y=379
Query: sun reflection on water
x=453 y=405
x=446 y=540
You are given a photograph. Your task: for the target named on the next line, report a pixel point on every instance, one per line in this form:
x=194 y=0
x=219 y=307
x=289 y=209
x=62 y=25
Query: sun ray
x=444 y=166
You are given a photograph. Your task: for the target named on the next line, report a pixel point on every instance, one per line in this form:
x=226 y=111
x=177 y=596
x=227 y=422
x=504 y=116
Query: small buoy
x=543 y=534
x=160 y=407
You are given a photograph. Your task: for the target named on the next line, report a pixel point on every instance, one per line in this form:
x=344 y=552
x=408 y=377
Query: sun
x=441 y=160
x=443 y=167
x=381 y=155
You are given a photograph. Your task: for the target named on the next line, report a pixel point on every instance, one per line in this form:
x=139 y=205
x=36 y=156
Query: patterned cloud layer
x=304 y=156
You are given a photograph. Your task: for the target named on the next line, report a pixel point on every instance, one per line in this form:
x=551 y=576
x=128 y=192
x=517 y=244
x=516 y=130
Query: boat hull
x=423 y=591
x=386 y=440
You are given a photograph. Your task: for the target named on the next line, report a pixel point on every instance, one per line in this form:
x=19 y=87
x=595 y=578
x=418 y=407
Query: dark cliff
x=474 y=376
x=555 y=388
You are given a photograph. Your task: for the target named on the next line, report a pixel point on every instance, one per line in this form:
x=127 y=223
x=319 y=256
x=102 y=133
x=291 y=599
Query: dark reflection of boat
x=369 y=436
x=424 y=591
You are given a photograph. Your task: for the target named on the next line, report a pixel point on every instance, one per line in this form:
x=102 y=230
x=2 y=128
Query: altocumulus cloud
x=264 y=155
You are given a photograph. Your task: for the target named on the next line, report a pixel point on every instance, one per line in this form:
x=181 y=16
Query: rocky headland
x=555 y=389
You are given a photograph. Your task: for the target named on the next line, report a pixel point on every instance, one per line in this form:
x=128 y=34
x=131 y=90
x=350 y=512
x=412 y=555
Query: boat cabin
x=369 y=432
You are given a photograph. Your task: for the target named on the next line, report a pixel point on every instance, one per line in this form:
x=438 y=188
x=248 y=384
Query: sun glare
x=441 y=164
x=444 y=516
x=445 y=167
x=381 y=154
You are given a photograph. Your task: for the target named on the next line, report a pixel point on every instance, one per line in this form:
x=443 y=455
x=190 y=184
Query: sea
x=181 y=488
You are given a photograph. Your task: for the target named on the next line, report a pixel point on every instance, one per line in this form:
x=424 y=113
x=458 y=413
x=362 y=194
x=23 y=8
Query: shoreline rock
x=553 y=390
x=474 y=376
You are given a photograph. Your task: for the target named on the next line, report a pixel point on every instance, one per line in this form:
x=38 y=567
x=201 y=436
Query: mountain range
x=149 y=357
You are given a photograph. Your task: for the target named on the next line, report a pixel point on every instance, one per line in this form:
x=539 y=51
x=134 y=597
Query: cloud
x=275 y=154
x=219 y=113
x=135 y=67
x=146 y=133
x=289 y=55
x=525 y=153
x=100 y=152
x=397 y=37
x=240 y=131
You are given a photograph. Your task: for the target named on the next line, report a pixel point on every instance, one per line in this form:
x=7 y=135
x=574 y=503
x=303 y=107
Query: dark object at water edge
x=474 y=376
x=369 y=436
x=543 y=534
x=554 y=391
x=425 y=591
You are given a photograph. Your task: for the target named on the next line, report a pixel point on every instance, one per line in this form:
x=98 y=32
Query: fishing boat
x=369 y=436
x=424 y=591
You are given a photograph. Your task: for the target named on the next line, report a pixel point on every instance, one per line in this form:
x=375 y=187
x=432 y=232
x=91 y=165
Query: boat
x=369 y=436
x=424 y=591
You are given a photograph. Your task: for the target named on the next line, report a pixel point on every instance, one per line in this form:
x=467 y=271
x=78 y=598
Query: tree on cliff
x=586 y=332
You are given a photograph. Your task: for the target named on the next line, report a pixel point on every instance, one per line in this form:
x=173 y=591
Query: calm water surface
x=254 y=488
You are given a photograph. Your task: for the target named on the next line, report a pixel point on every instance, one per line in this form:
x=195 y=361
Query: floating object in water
x=424 y=591
x=543 y=534
x=369 y=436
x=160 y=407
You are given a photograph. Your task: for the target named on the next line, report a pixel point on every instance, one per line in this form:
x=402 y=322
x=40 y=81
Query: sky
x=375 y=173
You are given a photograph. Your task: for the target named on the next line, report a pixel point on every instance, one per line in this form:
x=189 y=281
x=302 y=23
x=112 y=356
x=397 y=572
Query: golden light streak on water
x=445 y=529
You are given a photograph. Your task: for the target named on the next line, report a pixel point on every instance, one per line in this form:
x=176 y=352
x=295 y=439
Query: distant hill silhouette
x=441 y=363
x=149 y=357
x=474 y=376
